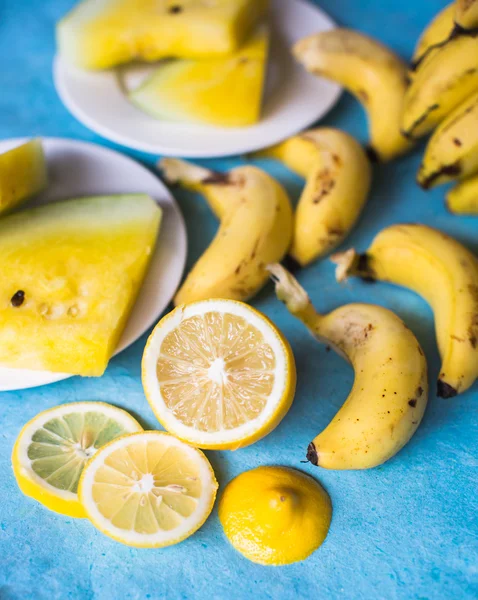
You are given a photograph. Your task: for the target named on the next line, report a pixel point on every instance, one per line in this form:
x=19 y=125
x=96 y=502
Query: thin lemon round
x=275 y=515
x=52 y=449
x=148 y=489
x=218 y=374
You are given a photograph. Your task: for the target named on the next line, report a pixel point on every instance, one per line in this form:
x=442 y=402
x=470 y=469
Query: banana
x=452 y=151
x=466 y=16
x=338 y=177
x=256 y=228
x=445 y=274
x=435 y=34
x=463 y=198
x=390 y=390
x=444 y=80
x=370 y=71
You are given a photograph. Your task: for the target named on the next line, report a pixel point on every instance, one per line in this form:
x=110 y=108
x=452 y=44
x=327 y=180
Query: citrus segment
x=53 y=448
x=148 y=489
x=218 y=374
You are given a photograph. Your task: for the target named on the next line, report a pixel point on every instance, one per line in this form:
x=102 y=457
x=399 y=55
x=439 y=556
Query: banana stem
x=350 y=263
x=296 y=299
x=175 y=170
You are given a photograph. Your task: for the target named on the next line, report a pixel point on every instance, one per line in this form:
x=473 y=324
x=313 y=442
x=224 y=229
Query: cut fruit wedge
x=148 y=490
x=53 y=448
x=225 y=92
x=70 y=273
x=218 y=374
x=23 y=173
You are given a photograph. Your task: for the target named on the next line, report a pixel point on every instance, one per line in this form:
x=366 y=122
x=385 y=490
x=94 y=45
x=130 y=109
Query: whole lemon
x=275 y=515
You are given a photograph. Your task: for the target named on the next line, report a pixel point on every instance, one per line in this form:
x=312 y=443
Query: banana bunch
x=445 y=274
x=256 y=228
x=369 y=70
x=442 y=97
x=338 y=175
x=390 y=389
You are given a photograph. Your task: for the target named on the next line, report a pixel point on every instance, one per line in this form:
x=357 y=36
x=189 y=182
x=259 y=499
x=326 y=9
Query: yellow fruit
x=99 y=34
x=70 y=273
x=445 y=274
x=371 y=72
x=275 y=515
x=390 y=391
x=148 y=490
x=218 y=374
x=218 y=91
x=256 y=229
x=23 y=174
x=466 y=16
x=53 y=448
x=463 y=198
x=338 y=177
x=436 y=34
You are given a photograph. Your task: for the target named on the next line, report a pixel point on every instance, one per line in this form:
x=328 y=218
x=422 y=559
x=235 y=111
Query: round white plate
x=80 y=169
x=293 y=99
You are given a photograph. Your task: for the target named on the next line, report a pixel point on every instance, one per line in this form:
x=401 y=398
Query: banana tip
x=445 y=390
x=312 y=454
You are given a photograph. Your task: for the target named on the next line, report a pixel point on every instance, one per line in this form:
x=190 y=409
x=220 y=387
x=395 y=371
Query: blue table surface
x=407 y=529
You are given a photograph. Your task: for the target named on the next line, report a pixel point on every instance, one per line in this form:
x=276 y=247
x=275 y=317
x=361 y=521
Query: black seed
x=312 y=455
x=175 y=10
x=18 y=298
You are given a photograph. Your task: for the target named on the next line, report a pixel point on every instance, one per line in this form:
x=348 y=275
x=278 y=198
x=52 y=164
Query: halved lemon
x=218 y=374
x=148 y=489
x=275 y=515
x=52 y=449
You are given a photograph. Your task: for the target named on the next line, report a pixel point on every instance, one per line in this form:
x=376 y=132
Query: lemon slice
x=52 y=449
x=148 y=489
x=275 y=515
x=218 y=374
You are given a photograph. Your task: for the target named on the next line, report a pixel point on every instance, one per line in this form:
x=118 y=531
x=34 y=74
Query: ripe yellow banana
x=338 y=177
x=390 y=390
x=444 y=80
x=463 y=198
x=443 y=272
x=466 y=16
x=370 y=71
x=452 y=152
x=256 y=228
x=435 y=34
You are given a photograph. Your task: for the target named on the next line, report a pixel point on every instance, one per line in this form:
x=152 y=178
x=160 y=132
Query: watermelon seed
x=18 y=298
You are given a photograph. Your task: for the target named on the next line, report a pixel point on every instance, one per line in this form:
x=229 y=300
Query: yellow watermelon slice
x=99 y=34
x=23 y=174
x=225 y=91
x=69 y=276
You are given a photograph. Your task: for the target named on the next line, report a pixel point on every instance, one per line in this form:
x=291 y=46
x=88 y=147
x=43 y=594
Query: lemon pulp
x=148 y=489
x=53 y=448
x=215 y=371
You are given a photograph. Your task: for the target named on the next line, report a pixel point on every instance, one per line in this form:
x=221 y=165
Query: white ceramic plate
x=79 y=169
x=293 y=98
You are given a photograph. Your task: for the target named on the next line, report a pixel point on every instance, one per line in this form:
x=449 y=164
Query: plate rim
x=55 y=377
x=170 y=150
